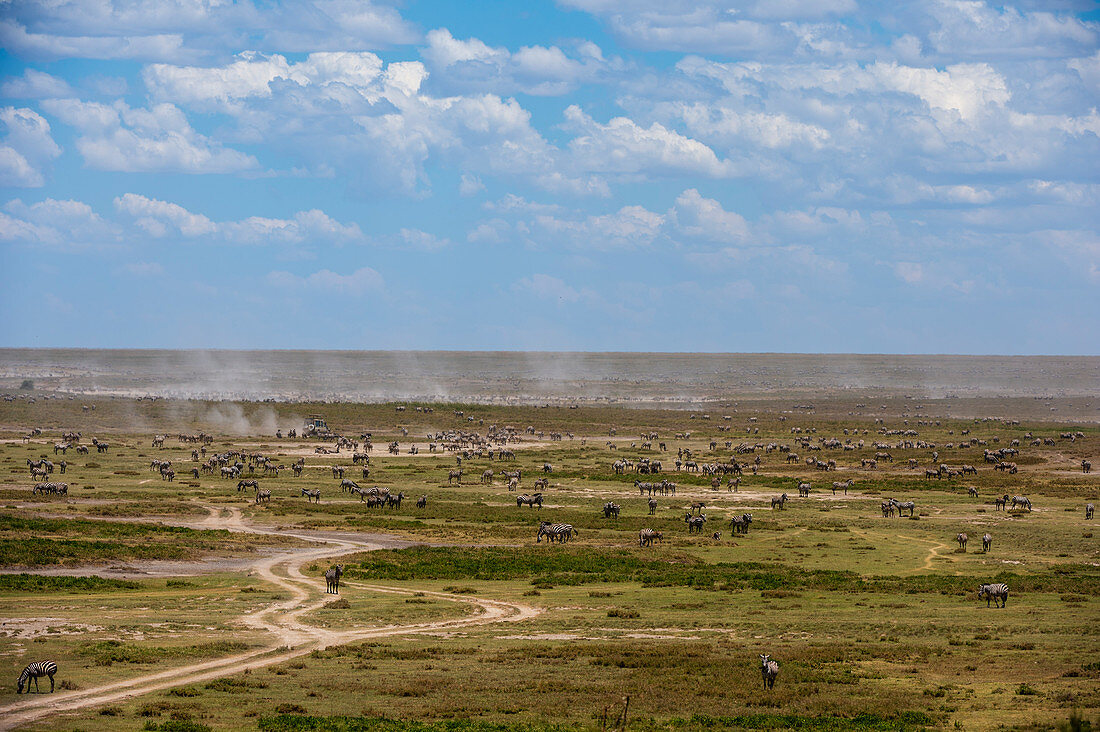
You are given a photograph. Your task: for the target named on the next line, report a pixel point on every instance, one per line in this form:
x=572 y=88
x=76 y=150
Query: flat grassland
x=452 y=616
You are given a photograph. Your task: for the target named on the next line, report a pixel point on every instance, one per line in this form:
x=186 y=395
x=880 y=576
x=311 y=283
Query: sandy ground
x=290 y=635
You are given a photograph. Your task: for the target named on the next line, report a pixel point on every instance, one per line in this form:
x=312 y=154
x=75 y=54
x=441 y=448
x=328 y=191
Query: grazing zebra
x=242 y=484
x=264 y=495
x=348 y=485
x=740 y=524
x=526 y=500
x=332 y=579
x=1001 y=502
x=1086 y=466
x=35 y=671
x=779 y=501
x=646 y=537
x=454 y=475
x=769 y=669
x=972 y=491
x=513 y=484
x=695 y=523
x=1021 y=501
x=994 y=592
x=611 y=509
x=909 y=506
x=555 y=532
x=422 y=502
x=716 y=536
x=804 y=490
x=314 y=494
x=697 y=506
x=842 y=485
x=887 y=509
x=987 y=542
x=961 y=538
x=487 y=476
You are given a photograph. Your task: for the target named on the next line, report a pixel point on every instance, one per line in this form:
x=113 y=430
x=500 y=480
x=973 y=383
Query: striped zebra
x=454 y=475
x=842 y=485
x=779 y=501
x=769 y=669
x=1088 y=511
x=716 y=536
x=740 y=524
x=422 y=502
x=962 y=539
x=1021 y=501
x=526 y=500
x=804 y=490
x=646 y=537
x=487 y=476
x=695 y=523
x=556 y=532
x=997 y=592
x=611 y=509
x=652 y=506
x=909 y=506
x=35 y=671
x=262 y=496
x=887 y=509
x=987 y=543
x=242 y=484
x=314 y=494
x=332 y=579
x=972 y=491
x=348 y=485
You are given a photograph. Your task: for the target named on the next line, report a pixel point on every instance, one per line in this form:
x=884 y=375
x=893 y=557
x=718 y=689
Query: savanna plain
x=200 y=603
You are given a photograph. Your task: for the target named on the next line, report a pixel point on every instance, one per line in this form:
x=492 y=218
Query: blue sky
x=819 y=176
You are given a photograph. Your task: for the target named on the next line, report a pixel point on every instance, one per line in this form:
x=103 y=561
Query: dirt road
x=290 y=636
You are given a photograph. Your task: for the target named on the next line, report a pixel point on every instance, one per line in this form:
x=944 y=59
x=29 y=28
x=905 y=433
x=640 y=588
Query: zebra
x=555 y=532
x=1021 y=501
x=887 y=509
x=242 y=484
x=422 y=502
x=62 y=465
x=695 y=523
x=314 y=494
x=611 y=509
x=909 y=506
x=487 y=476
x=972 y=491
x=646 y=537
x=348 y=485
x=779 y=501
x=35 y=671
x=526 y=500
x=1086 y=466
x=264 y=495
x=994 y=592
x=1088 y=511
x=332 y=579
x=716 y=536
x=769 y=669
x=740 y=524
x=1001 y=502
x=845 y=485
x=337 y=471
x=987 y=542
x=961 y=538
x=804 y=490
x=454 y=475
x=652 y=506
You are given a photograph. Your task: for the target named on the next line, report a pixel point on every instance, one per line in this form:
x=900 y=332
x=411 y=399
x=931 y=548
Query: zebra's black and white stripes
x=555 y=532
x=646 y=537
x=998 y=593
x=35 y=671
x=332 y=579
x=769 y=669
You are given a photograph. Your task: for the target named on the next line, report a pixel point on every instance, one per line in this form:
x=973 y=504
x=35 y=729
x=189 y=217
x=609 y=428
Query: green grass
x=37 y=583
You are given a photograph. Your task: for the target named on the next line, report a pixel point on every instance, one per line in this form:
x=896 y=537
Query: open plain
x=191 y=603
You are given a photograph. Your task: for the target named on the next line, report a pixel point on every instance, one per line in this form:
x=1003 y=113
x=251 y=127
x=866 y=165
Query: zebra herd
x=51 y=489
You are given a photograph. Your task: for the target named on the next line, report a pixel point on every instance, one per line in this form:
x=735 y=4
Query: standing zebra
x=611 y=509
x=1001 y=502
x=887 y=509
x=987 y=542
x=314 y=494
x=909 y=506
x=695 y=523
x=422 y=502
x=779 y=500
x=332 y=579
x=652 y=506
x=769 y=669
x=994 y=592
x=962 y=539
x=646 y=537
x=555 y=532
x=1088 y=511
x=804 y=489
x=35 y=671
x=526 y=500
